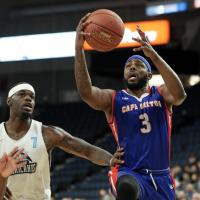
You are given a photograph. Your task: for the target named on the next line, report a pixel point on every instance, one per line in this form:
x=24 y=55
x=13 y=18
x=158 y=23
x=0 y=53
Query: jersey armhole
x=166 y=107
x=110 y=121
x=158 y=88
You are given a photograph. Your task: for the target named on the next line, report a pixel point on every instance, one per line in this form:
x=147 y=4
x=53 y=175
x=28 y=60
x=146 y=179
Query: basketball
x=106 y=30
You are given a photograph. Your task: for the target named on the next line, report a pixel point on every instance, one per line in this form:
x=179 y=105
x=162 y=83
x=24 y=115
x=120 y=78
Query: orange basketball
x=106 y=30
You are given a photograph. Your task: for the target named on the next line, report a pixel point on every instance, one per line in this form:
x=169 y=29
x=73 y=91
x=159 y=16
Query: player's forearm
x=83 y=149
x=82 y=77
x=170 y=78
x=3 y=183
x=100 y=156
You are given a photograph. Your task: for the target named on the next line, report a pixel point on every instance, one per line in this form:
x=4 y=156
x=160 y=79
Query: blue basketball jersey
x=142 y=126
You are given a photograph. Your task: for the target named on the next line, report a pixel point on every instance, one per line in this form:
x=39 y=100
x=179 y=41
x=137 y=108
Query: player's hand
x=116 y=160
x=80 y=34
x=145 y=44
x=10 y=162
x=8 y=194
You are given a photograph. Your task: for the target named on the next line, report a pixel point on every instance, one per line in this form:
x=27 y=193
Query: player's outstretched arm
x=57 y=137
x=8 y=164
x=97 y=98
x=172 y=91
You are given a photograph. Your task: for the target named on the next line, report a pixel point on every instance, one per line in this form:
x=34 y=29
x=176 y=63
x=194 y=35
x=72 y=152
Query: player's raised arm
x=172 y=91
x=57 y=137
x=97 y=98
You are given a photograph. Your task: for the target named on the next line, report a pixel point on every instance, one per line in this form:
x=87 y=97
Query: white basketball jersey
x=31 y=182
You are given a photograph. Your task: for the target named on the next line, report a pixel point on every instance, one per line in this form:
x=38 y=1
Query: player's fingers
x=137 y=26
x=147 y=39
x=141 y=33
x=7 y=198
x=118 y=162
x=24 y=155
x=84 y=33
x=80 y=25
x=120 y=148
x=120 y=151
x=115 y=161
x=138 y=49
x=16 y=155
x=86 y=16
x=7 y=195
x=21 y=164
x=83 y=19
x=13 y=151
x=136 y=39
x=85 y=24
x=19 y=160
x=139 y=41
x=8 y=192
x=3 y=157
x=118 y=154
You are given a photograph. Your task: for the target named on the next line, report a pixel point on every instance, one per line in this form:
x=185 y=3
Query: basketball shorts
x=154 y=185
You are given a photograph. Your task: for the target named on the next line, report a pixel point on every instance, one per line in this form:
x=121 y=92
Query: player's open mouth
x=132 y=77
x=28 y=106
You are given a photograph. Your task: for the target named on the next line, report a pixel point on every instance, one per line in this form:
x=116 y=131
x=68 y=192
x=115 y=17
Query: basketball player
x=33 y=180
x=140 y=119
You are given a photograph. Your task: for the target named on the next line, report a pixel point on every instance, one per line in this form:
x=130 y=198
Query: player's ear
x=149 y=75
x=9 y=101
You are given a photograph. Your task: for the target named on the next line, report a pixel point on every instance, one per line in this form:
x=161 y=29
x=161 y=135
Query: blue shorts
x=153 y=186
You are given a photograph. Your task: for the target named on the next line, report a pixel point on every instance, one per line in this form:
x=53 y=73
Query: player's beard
x=26 y=115
x=136 y=86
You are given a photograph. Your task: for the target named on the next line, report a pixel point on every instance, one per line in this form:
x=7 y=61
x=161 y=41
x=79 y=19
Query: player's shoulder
x=50 y=136
x=48 y=128
x=120 y=92
x=111 y=92
x=52 y=129
x=117 y=94
x=53 y=135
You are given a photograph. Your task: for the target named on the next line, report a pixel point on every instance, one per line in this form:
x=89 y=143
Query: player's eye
x=128 y=65
x=21 y=93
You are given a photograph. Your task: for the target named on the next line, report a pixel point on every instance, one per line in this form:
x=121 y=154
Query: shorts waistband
x=154 y=172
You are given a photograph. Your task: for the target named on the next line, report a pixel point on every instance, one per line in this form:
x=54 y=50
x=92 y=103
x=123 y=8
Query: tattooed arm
x=97 y=98
x=57 y=137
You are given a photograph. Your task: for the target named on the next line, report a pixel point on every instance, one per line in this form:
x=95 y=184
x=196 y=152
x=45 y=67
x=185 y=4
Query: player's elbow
x=180 y=98
x=85 y=94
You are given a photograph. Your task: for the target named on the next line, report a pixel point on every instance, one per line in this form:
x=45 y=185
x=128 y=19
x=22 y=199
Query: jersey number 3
x=145 y=123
